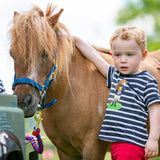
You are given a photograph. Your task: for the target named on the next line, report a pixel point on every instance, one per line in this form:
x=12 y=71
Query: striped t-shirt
x=127 y=107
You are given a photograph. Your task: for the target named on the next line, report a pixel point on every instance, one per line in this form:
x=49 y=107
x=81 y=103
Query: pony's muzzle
x=27 y=101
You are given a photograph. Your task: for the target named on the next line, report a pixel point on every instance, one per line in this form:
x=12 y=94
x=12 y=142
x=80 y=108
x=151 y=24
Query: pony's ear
x=54 y=19
x=16 y=13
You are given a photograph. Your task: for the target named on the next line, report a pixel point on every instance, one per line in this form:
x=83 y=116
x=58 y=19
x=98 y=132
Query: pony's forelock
x=31 y=33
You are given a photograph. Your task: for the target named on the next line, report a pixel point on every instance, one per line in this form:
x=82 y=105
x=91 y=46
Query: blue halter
x=42 y=88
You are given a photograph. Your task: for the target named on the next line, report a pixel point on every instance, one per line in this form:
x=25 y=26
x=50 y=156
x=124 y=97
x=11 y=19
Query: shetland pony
x=39 y=42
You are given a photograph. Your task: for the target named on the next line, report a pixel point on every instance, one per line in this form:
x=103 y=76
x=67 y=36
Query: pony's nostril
x=28 y=100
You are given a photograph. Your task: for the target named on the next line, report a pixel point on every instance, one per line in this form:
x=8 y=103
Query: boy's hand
x=151 y=149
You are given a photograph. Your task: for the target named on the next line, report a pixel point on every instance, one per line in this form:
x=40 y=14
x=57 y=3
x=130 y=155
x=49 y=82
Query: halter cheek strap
x=42 y=88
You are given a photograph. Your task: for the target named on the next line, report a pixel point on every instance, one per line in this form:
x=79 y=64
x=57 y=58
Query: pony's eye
x=44 y=55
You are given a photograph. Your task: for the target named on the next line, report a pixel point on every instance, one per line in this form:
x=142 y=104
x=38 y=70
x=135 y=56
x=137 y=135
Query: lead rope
x=38 y=147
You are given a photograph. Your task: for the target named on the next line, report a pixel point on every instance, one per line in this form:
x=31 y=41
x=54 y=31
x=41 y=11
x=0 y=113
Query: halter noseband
x=42 y=88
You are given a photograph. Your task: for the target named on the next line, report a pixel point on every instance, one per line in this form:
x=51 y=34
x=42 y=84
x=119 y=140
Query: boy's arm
x=90 y=53
x=151 y=148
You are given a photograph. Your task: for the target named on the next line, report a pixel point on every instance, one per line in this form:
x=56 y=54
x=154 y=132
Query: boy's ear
x=144 y=55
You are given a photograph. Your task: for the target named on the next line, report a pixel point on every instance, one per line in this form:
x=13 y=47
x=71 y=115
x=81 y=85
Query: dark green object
x=12 y=131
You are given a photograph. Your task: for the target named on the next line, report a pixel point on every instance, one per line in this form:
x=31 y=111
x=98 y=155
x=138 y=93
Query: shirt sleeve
x=2 y=89
x=151 y=93
x=110 y=72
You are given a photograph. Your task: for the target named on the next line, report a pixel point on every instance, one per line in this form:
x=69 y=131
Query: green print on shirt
x=114 y=105
x=119 y=90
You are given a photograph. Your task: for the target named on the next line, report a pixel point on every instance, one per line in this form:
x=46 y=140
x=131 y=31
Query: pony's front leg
x=63 y=156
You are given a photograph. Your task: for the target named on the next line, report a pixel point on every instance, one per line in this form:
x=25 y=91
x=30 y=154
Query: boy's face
x=127 y=56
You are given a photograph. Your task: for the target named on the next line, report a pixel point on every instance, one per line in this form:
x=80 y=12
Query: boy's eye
x=117 y=55
x=129 y=54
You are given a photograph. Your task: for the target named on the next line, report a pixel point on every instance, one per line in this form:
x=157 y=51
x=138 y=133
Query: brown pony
x=72 y=124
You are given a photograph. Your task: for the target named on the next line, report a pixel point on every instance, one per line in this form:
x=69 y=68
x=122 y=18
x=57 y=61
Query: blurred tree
x=139 y=10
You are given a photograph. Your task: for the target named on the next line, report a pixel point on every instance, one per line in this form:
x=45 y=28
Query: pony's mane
x=31 y=34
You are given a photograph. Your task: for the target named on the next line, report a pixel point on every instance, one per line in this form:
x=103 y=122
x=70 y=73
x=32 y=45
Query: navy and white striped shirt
x=2 y=90
x=127 y=107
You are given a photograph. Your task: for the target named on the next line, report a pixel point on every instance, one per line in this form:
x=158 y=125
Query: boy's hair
x=130 y=32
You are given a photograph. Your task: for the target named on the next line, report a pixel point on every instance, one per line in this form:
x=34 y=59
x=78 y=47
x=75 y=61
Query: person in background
x=133 y=95
x=2 y=89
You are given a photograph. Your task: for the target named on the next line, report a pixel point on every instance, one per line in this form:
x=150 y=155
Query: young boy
x=133 y=93
x=2 y=90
